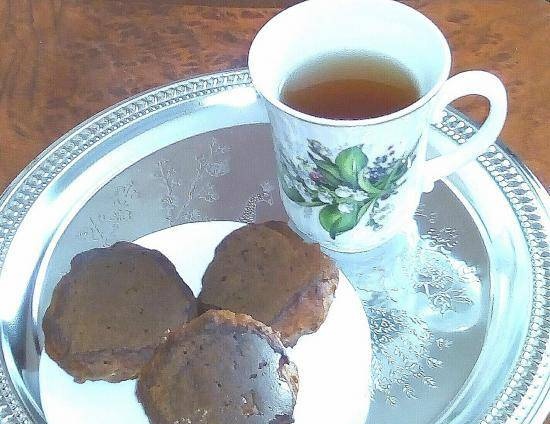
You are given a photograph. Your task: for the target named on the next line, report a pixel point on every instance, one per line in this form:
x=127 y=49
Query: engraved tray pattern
x=518 y=398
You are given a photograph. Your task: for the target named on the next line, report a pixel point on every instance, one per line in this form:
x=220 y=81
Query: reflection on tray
x=414 y=291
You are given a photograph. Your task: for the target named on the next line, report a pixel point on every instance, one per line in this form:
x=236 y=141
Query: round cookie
x=109 y=312
x=219 y=368
x=268 y=272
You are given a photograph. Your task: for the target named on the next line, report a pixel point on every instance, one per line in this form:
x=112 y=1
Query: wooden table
x=63 y=60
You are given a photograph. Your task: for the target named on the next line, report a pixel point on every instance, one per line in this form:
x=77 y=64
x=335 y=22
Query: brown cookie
x=271 y=274
x=110 y=311
x=220 y=368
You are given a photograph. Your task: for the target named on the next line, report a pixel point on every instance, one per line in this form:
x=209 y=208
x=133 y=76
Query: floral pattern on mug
x=346 y=187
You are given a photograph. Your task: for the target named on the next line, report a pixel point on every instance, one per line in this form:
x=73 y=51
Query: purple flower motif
x=315 y=176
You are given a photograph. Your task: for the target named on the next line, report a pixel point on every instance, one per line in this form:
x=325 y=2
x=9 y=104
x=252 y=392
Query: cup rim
x=273 y=100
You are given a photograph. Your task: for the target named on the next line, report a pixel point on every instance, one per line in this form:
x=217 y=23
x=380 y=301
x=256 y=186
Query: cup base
x=408 y=231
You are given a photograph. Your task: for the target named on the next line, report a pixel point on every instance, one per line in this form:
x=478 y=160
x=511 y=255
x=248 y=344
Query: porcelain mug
x=350 y=184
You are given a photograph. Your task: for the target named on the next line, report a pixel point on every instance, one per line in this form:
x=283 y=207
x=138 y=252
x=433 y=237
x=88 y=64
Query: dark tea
x=349 y=87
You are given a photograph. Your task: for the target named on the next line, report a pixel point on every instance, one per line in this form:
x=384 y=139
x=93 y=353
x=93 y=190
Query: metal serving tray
x=458 y=304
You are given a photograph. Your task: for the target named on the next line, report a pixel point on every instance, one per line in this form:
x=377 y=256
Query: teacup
x=350 y=184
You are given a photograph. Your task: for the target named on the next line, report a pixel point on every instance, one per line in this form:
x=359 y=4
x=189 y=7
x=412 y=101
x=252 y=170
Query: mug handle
x=466 y=83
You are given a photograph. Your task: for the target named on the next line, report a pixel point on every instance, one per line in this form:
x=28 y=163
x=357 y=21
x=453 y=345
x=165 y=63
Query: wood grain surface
x=63 y=60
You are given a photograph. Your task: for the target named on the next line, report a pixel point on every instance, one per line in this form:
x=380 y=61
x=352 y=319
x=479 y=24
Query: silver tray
x=458 y=304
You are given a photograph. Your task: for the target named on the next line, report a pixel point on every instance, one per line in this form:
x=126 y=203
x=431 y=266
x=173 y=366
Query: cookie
x=268 y=272
x=220 y=368
x=111 y=310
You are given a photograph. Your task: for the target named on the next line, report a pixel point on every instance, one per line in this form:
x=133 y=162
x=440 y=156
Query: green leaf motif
x=328 y=216
x=336 y=222
x=402 y=168
x=326 y=167
x=350 y=162
x=292 y=193
x=366 y=185
x=394 y=176
x=311 y=204
x=363 y=210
